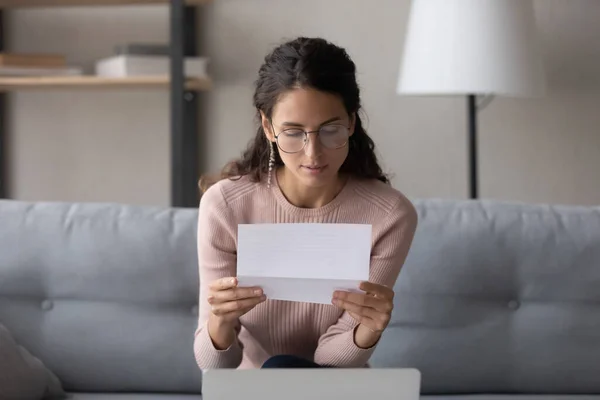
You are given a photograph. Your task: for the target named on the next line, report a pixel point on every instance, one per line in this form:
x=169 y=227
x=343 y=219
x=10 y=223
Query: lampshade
x=472 y=47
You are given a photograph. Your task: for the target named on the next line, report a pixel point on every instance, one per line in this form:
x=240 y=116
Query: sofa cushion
x=110 y=396
x=499 y=297
x=513 y=397
x=105 y=294
x=23 y=376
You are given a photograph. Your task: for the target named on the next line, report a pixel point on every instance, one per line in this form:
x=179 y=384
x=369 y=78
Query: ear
x=352 y=123
x=267 y=127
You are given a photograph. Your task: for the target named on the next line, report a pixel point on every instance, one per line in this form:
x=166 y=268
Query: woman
x=311 y=161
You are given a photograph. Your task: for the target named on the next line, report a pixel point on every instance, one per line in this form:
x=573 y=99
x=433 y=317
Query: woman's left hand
x=372 y=309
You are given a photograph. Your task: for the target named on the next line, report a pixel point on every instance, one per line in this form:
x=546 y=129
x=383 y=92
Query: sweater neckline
x=312 y=212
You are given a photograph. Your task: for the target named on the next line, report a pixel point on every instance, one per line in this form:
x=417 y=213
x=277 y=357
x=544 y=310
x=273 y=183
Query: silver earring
x=271 y=163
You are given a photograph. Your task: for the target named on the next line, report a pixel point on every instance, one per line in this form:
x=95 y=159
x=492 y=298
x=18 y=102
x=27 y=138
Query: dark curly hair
x=318 y=64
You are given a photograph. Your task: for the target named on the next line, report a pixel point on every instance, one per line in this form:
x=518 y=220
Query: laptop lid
x=308 y=383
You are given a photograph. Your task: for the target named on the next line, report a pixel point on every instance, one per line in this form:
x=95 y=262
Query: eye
x=293 y=133
x=332 y=129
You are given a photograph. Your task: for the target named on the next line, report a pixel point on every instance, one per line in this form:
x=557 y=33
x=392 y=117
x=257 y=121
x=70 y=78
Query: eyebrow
x=322 y=123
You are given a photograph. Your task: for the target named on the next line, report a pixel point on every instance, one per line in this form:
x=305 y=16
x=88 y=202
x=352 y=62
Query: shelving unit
x=79 y=3
x=183 y=91
x=93 y=82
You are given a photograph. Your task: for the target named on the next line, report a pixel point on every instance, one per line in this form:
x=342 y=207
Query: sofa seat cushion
x=109 y=396
x=132 y=396
x=513 y=397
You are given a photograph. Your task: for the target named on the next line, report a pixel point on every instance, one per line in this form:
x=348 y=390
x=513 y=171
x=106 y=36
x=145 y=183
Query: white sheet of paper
x=303 y=262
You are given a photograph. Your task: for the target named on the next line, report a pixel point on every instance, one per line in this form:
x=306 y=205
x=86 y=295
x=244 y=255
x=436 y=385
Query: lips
x=314 y=167
x=314 y=170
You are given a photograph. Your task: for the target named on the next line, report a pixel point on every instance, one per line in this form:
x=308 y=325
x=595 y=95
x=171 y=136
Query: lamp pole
x=472 y=124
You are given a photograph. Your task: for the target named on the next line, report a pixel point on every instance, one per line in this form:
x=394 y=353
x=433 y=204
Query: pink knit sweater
x=318 y=332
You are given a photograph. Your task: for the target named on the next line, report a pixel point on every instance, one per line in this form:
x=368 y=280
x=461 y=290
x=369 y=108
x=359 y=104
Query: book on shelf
x=32 y=72
x=25 y=60
x=32 y=65
x=122 y=66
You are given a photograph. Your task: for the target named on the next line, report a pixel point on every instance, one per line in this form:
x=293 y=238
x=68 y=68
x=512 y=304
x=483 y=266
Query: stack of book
x=147 y=60
x=20 y=64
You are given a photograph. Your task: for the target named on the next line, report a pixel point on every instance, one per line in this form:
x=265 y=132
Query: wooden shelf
x=72 y=3
x=94 y=82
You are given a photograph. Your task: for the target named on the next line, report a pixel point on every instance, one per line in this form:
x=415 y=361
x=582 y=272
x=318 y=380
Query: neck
x=307 y=197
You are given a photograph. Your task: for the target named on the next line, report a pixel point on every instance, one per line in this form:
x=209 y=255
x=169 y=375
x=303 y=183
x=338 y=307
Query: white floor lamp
x=472 y=47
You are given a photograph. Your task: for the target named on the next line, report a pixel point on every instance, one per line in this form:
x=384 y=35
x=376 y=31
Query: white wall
x=87 y=146
x=549 y=150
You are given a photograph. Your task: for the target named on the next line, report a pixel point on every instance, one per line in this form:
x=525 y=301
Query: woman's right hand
x=229 y=302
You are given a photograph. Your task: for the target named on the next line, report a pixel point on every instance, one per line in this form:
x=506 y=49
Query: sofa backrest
x=106 y=295
x=499 y=298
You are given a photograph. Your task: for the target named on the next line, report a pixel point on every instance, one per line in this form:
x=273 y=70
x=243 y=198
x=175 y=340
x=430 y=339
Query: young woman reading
x=311 y=161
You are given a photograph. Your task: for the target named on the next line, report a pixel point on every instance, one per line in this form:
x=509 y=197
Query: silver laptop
x=308 y=384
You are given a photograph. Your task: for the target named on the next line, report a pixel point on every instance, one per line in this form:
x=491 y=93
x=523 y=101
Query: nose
x=313 y=145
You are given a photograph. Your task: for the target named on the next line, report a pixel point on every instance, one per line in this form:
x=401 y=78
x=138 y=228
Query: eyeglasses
x=331 y=136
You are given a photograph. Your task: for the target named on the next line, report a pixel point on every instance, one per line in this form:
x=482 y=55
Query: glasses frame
x=317 y=132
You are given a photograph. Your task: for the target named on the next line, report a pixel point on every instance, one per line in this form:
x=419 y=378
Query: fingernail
x=258 y=292
x=232 y=280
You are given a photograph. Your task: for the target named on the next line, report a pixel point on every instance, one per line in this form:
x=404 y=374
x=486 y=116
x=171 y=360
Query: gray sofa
x=495 y=298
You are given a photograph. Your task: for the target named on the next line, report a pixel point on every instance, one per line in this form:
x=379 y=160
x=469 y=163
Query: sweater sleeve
x=391 y=245
x=216 y=259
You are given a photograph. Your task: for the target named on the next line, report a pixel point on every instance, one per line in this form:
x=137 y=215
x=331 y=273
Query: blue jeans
x=285 y=361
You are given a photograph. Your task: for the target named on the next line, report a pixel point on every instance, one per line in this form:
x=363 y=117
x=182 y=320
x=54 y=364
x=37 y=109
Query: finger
x=236 y=305
x=234 y=294
x=379 y=290
x=245 y=310
x=360 y=299
x=223 y=284
x=380 y=304
x=235 y=315
x=360 y=310
x=235 y=309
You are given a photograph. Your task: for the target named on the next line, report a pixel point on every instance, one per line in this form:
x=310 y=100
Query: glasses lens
x=291 y=140
x=333 y=136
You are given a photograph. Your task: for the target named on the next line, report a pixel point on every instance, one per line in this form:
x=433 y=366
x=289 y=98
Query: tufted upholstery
x=494 y=297
x=498 y=298
x=105 y=295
